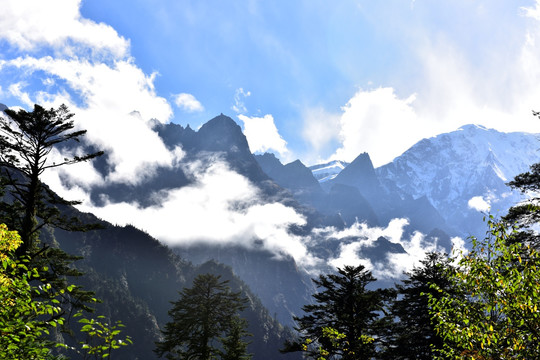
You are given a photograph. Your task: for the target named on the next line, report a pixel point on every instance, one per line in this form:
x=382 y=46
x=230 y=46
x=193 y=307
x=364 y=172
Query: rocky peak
x=223 y=134
x=360 y=174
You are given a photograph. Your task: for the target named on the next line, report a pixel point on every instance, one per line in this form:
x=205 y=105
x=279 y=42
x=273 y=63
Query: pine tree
x=204 y=313
x=344 y=308
x=29 y=206
x=412 y=332
x=26 y=140
x=234 y=345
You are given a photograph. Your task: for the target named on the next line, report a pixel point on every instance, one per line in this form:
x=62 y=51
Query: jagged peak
x=362 y=162
x=267 y=155
x=296 y=163
x=222 y=130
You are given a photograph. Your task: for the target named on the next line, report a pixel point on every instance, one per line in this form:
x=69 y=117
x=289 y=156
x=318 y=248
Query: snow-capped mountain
x=328 y=171
x=460 y=175
x=463 y=172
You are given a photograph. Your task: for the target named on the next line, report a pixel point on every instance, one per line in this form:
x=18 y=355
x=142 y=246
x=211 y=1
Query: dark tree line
x=348 y=320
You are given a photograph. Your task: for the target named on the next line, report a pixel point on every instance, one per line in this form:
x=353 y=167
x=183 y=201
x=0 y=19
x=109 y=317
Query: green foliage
x=493 y=310
x=204 y=313
x=346 y=319
x=26 y=321
x=22 y=327
x=338 y=344
x=101 y=338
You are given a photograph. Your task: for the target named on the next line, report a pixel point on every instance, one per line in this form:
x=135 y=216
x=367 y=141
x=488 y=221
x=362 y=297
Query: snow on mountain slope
x=328 y=171
x=470 y=163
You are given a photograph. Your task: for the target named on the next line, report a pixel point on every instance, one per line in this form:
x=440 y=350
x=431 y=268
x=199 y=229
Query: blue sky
x=314 y=80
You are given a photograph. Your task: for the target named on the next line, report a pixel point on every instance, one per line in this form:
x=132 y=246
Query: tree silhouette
x=26 y=141
x=204 y=313
x=29 y=206
x=412 y=333
x=345 y=308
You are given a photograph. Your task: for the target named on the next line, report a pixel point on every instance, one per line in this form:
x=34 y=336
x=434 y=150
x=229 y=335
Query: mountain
x=451 y=169
x=220 y=136
x=431 y=185
x=294 y=176
x=281 y=285
x=357 y=194
x=359 y=173
x=435 y=183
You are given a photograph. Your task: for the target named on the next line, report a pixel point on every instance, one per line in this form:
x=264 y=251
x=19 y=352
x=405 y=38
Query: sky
x=309 y=79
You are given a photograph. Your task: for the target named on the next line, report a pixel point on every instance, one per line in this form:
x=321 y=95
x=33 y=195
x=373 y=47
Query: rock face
x=361 y=174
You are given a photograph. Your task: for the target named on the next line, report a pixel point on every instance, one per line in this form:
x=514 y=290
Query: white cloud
x=221 y=207
x=262 y=135
x=320 y=129
x=16 y=90
x=364 y=236
x=30 y=24
x=239 y=96
x=489 y=77
x=188 y=102
x=533 y=12
x=378 y=122
x=91 y=71
x=119 y=125
x=478 y=203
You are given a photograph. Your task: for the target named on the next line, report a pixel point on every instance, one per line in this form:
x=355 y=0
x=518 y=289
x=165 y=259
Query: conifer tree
x=29 y=206
x=234 y=345
x=346 y=308
x=204 y=313
x=412 y=333
x=26 y=140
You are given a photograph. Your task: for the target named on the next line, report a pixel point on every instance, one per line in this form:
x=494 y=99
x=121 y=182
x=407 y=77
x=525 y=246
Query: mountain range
x=431 y=186
x=433 y=192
